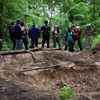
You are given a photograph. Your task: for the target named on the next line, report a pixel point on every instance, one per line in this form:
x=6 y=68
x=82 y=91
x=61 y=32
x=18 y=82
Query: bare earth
x=38 y=75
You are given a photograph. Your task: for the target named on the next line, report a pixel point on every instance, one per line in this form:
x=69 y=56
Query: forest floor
x=39 y=74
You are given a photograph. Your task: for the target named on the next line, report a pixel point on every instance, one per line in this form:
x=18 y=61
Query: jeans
x=70 y=45
x=18 y=44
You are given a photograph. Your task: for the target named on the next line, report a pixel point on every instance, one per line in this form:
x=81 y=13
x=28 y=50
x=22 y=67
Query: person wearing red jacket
x=76 y=36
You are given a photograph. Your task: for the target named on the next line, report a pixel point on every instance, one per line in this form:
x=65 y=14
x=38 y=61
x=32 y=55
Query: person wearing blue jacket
x=34 y=34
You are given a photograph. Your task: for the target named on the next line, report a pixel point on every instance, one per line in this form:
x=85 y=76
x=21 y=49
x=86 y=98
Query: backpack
x=46 y=30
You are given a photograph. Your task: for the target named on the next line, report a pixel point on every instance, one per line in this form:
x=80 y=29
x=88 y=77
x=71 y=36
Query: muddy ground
x=38 y=75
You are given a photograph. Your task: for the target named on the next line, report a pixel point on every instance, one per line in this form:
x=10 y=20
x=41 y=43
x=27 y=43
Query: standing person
x=45 y=29
x=34 y=34
x=0 y=44
x=69 y=39
x=24 y=35
x=18 y=35
x=0 y=40
x=77 y=36
x=89 y=36
x=12 y=34
x=56 y=36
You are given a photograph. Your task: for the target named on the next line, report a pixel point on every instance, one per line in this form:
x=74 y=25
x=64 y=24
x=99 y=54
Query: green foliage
x=6 y=46
x=66 y=93
x=62 y=12
x=96 y=40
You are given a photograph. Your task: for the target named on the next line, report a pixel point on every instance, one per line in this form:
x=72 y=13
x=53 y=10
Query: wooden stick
x=39 y=68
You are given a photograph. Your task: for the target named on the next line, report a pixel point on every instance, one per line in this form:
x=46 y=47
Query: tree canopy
x=62 y=12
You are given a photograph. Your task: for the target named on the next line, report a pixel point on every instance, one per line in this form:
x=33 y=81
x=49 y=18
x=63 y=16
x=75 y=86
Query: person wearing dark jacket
x=18 y=35
x=34 y=34
x=45 y=29
x=12 y=34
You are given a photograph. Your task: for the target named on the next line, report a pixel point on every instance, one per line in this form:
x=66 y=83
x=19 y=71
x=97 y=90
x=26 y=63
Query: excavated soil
x=38 y=75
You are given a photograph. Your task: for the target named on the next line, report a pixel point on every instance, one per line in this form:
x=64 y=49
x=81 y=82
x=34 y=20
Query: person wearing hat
x=89 y=36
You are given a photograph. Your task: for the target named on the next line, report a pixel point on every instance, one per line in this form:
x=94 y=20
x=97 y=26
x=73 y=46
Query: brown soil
x=39 y=75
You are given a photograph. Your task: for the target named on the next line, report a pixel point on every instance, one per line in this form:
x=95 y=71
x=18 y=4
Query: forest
x=50 y=73
x=62 y=12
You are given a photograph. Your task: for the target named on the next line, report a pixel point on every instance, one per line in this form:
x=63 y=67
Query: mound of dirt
x=11 y=91
x=39 y=74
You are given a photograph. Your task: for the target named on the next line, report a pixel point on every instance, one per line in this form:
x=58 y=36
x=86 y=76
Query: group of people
x=74 y=34
x=19 y=34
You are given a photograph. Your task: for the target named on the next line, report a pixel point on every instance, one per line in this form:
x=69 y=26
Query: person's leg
x=66 y=45
x=90 y=41
x=79 y=43
x=74 y=40
x=43 y=42
x=13 y=44
x=18 y=44
x=54 y=41
x=36 y=42
x=70 y=46
x=58 y=42
x=0 y=46
x=47 y=42
x=33 y=42
x=26 y=45
x=87 y=42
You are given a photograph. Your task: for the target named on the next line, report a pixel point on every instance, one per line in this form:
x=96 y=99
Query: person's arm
x=42 y=28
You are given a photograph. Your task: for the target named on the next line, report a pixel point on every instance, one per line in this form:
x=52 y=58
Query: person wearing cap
x=34 y=34
x=77 y=36
x=89 y=36
x=45 y=29
x=56 y=36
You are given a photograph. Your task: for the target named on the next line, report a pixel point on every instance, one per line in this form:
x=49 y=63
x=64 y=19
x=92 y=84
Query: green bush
x=6 y=46
x=96 y=40
x=66 y=93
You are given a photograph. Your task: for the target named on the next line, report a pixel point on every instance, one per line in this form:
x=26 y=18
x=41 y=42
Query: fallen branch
x=39 y=68
x=34 y=59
